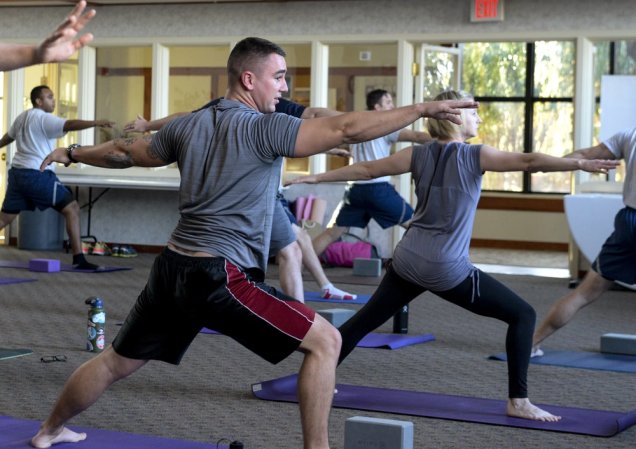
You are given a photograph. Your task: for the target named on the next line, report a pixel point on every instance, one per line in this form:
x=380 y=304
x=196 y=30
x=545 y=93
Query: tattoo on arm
x=150 y=152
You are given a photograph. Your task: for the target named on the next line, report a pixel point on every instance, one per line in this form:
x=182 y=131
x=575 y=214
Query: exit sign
x=486 y=10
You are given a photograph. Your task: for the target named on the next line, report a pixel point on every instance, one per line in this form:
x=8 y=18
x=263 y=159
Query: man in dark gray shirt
x=211 y=273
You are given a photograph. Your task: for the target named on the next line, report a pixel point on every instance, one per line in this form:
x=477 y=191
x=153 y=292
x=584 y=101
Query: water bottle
x=95 y=328
x=401 y=320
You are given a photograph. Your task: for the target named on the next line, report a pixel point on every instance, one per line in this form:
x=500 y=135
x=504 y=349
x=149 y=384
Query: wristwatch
x=69 y=151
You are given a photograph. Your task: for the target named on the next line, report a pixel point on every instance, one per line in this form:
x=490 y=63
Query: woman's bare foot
x=46 y=439
x=523 y=408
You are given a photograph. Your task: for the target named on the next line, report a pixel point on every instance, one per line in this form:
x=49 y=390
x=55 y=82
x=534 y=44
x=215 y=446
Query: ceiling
x=7 y=3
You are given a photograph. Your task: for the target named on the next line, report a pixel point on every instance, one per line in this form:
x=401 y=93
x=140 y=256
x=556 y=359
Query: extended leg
x=484 y=295
x=312 y=263
x=316 y=382
x=391 y=295
x=561 y=312
x=290 y=271
x=327 y=237
x=82 y=389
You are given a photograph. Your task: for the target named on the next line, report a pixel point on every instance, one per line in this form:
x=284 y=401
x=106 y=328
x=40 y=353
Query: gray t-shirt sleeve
x=274 y=135
x=166 y=142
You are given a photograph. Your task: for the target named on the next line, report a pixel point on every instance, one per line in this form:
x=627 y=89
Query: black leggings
x=479 y=293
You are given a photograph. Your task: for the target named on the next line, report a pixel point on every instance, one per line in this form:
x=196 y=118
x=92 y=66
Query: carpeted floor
x=208 y=396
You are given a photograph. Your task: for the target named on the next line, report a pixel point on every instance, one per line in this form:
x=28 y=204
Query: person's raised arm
x=321 y=134
x=409 y=135
x=492 y=159
x=396 y=164
x=57 y=47
x=141 y=125
x=78 y=125
x=118 y=153
x=6 y=140
x=599 y=151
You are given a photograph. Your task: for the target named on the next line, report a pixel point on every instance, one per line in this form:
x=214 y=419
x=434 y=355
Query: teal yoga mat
x=13 y=353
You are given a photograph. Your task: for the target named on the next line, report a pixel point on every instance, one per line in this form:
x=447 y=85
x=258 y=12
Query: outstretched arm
x=141 y=125
x=78 y=125
x=59 y=46
x=118 y=153
x=396 y=164
x=6 y=140
x=408 y=135
x=599 y=151
x=492 y=159
x=321 y=134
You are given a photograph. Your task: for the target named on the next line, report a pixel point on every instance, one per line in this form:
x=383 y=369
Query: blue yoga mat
x=458 y=408
x=587 y=360
x=16 y=433
x=372 y=340
x=315 y=297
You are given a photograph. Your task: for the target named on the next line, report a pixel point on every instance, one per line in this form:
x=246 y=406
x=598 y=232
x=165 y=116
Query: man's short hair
x=36 y=93
x=375 y=97
x=247 y=54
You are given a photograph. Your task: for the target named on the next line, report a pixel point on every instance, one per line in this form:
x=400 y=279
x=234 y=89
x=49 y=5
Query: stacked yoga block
x=618 y=344
x=362 y=432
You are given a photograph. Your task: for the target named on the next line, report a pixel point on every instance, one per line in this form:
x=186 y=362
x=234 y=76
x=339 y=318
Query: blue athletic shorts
x=378 y=200
x=28 y=189
x=185 y=294
x=282 y=232
x=617 y=259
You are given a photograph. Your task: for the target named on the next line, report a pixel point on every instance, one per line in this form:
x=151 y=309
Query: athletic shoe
x=101 y=249
x=87 y=247
x=115 y=251
x=126 y=251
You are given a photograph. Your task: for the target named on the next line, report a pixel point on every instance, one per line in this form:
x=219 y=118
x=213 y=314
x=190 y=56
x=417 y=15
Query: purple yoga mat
x=458 y=408
x=100 y=269
x=315 y=297
x=5 y=281
x=384 y=341
x=16 y=433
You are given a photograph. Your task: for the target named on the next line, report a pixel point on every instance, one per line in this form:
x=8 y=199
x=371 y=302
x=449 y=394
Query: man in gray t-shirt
x=211 y=273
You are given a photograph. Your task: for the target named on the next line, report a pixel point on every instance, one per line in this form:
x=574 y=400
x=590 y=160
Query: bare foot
x=46 y=439
x=536 y=352
x=523 y=408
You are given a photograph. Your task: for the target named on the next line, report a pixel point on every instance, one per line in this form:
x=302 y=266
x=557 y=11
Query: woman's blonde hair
x=444 y=129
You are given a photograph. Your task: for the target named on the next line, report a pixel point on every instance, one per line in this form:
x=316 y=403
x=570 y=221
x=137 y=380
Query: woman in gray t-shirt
x=433 y=254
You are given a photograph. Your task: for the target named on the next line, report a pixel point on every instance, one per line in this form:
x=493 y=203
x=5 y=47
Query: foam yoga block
x=618 y=344
x=336 y=316
x=367 y=267
x=44 y=265
x=362 y=432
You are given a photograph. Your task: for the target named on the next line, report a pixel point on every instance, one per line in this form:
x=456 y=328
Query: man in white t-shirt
x=617 y=259
x=35 y=132
x=376 y=198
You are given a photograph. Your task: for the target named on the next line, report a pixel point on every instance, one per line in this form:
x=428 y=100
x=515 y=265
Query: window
x=123 y=87
x=197 y=75
x=611 y=58
x=525 y=90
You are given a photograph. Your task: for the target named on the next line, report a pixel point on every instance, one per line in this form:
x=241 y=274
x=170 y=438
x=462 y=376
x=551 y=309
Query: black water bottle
x=401 y=320
x=95 y=338
x=236 y=445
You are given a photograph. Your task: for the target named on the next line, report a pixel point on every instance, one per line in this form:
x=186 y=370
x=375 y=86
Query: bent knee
x=323 y=339
x=290 y=253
